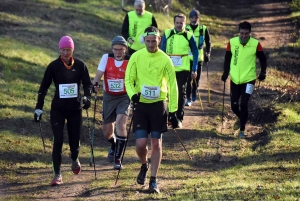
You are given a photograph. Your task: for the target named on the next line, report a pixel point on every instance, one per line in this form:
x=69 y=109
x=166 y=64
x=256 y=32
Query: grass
x=222 y=168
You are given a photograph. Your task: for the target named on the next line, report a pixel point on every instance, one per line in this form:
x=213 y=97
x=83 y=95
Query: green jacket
x=243 y=60
x=152 y=75
x=199 y=34
x=137 y=26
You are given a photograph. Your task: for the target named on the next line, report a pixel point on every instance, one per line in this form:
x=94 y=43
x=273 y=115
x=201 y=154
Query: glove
x=135 y=98
x=86 y=103
x=261 y=76
x=93 y=87
x=38 y=115
x=173 y=120
x=207 y=57
x=224 y=77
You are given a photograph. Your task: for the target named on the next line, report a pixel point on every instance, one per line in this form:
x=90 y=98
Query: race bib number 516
x=176 y=60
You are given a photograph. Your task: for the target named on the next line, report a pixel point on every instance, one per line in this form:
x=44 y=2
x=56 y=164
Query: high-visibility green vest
x=243 y=60
x=137 y=26
x=199 y=35
x=177 y=45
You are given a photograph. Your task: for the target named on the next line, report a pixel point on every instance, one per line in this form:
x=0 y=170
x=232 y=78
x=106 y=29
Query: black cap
x=194 y=13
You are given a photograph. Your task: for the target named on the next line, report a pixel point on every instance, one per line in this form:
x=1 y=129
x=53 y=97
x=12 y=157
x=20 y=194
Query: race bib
x=142 y=41
x=116 y=85
x=68 y=90
x=249 y=88
x=150 y=92
x=176 y=60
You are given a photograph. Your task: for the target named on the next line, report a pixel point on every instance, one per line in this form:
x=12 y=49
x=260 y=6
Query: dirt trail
x=273 y=29
x=270 y=25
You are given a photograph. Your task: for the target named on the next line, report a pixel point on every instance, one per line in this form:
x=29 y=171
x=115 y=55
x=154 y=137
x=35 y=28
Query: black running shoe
x=153 y=188
x=142 y=175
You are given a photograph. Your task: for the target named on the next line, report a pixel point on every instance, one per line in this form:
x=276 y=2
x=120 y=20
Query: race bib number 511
x=150 y=92
x=68 y=90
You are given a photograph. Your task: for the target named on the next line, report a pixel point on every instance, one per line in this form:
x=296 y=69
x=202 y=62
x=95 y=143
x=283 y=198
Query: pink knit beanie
x=66 y=42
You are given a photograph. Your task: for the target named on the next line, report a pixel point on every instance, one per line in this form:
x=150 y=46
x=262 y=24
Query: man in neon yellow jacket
x=150 y=81
x=240 y=63
x=202 y=38
x=134 y=24
x=177 y=43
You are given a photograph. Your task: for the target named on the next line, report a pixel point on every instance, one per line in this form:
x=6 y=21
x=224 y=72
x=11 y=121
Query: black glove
x=224 y=77
x=135 y=98
x=93 y=87
x=86 y=103
x=173 y=119
x=207 y=57
x=261 y=76
x=38 y=115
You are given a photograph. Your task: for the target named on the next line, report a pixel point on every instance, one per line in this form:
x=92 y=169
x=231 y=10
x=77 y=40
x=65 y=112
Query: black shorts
x=151 y=117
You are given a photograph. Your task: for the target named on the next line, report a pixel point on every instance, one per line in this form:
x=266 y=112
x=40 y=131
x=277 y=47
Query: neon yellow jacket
x=137 y=26
x=152 y=69
x=243 y=60
x=199 y=40
x=178 y=45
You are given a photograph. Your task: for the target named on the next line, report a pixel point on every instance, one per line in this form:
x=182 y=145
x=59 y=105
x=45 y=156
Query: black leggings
x=238 y=91
x=191 y=87
x=182 y=78
x=74 y=124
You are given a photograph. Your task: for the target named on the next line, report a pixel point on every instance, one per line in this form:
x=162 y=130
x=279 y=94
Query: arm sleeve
x=86 y=82
x=103 y=62
x=163 y=43
x=172 y=86
x=195 y=52
x=262 y=58
x=130 y=76
x=154 y=23
x=125 y=28
x=207 y=41
x=45 y=84
x=227 y=60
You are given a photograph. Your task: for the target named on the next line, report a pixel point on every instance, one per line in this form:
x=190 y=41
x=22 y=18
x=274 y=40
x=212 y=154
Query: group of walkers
x=159 y=75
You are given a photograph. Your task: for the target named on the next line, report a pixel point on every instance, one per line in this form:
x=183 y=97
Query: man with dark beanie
x=240 y=64
x=202 y=38
x=115 y=99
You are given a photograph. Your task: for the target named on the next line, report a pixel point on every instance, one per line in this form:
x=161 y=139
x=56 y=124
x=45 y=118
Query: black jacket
x=59 y=74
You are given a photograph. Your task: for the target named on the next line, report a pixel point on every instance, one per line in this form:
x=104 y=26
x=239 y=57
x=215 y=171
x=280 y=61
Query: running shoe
x=241 y=134
x=142 y=175
x=194 y=96
x=76 y=167
x=188 y=103
x=57 y=180
x=111 y=155
x=153 y=188
x=117 y=164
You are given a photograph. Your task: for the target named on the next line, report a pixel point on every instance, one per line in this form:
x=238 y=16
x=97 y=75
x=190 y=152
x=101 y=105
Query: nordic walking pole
x=223 y=108
x=201 y=105
x=182 y=144
x=94 y=121
x=42 y=135
x=128 y=132
x=92 y=148
x=208 y=85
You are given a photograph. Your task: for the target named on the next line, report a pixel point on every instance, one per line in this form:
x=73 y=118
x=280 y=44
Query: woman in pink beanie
x=68 y=74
